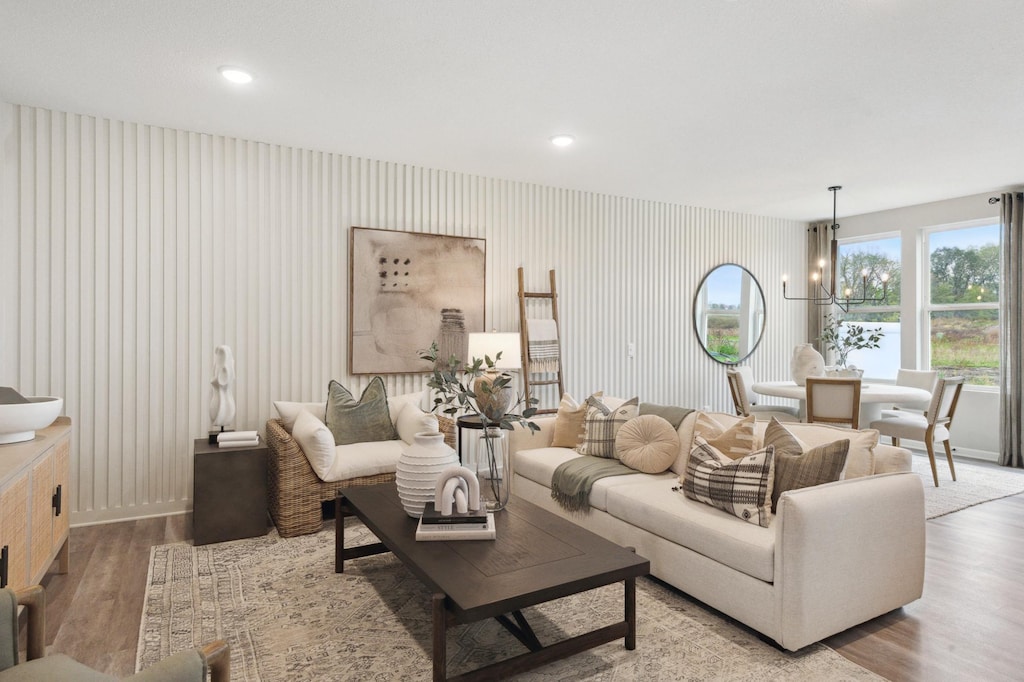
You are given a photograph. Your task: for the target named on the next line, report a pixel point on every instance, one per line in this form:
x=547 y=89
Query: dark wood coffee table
x=537 y=557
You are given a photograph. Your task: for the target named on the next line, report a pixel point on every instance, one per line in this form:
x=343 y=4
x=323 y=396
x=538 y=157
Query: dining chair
x=833 y=401
x=914 y=378
x=933 y=425
x=741 y=378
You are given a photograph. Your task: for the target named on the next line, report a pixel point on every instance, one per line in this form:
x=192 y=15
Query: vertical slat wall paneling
x=138 y=249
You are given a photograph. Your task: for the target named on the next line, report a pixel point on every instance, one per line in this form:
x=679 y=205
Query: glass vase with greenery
x=456 y=391
x=844 y=337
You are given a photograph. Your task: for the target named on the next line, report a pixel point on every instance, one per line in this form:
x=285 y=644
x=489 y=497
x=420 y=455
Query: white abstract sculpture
x=222 y=402
x=459 y=487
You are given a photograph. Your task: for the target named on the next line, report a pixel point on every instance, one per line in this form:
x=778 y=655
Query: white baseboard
x=958 y=452
x=133 y=513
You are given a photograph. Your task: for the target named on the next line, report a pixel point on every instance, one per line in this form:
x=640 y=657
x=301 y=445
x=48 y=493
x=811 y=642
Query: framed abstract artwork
x=407 y=290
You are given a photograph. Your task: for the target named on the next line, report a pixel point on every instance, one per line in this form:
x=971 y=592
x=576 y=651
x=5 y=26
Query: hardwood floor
x=966 y=626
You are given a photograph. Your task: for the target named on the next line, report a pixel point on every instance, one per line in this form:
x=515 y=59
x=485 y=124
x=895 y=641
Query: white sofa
x=834 y=555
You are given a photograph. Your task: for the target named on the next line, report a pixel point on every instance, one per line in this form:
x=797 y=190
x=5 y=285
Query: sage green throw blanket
x=572 y=480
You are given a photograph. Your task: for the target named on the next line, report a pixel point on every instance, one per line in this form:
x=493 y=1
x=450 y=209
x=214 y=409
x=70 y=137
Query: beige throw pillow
x=647 y=443
x=316 y=442
x=602 y=423
x=742 y=487
x=568 y=429
x=733 y=442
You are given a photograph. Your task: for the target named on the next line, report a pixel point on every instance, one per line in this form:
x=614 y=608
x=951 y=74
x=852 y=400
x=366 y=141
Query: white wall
x=138 y=249
x=976 y=424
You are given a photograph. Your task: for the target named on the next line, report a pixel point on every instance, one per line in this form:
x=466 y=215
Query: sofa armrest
x=846 y=552
x=521 y=438
x=891 y=459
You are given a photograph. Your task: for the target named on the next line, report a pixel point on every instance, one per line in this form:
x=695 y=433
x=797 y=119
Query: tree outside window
x=963 y=307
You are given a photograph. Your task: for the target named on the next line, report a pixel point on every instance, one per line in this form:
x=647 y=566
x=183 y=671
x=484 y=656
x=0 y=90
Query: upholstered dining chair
x=185 y=666
x=933 y=425
x=741 y=378
x=915 y=378
x=833 y=401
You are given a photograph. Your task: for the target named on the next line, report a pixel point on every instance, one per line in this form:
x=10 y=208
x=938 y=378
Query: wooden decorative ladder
x=529 y=384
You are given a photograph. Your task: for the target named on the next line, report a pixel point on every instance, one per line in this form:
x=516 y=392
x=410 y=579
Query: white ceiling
x=747 y=105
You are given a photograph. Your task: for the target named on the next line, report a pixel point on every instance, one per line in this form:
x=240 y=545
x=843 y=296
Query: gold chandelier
x=828 y=295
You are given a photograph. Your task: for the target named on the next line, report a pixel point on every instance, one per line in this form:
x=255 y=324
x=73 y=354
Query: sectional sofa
x=834 y=555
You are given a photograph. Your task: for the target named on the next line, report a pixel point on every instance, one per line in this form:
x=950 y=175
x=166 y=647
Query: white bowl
x=19 y=422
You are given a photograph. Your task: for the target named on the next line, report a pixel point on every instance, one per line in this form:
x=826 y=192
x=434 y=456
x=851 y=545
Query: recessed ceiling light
x=236 y=75
x=562 y=140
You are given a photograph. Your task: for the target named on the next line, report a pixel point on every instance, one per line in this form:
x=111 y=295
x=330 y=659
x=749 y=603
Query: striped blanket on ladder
x=543 y=346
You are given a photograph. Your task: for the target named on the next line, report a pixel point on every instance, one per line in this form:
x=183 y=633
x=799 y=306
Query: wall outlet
x=631 y=350
x=705 y=408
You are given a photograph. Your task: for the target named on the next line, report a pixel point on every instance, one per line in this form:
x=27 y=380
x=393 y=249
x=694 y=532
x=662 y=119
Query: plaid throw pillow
x=796 y=468
x=742 y=487
x=602 y=424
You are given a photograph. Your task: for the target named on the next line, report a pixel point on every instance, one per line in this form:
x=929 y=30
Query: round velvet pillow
x=647 y=443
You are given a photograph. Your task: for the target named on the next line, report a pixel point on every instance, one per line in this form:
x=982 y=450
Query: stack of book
x=468 y=526
x=238 y=439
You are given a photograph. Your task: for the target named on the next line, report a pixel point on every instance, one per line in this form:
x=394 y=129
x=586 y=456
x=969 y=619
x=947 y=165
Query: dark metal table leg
x=440 y=619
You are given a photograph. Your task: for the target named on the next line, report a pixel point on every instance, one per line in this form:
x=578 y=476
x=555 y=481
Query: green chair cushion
x=53 y=668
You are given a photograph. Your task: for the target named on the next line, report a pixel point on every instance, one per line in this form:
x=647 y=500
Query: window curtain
x=1011 y=330
x=818 y=239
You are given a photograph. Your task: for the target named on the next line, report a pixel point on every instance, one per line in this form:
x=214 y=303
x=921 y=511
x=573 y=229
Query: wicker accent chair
x=294 y=490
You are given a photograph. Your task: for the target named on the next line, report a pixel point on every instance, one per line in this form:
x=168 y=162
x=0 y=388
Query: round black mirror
x=728 y=313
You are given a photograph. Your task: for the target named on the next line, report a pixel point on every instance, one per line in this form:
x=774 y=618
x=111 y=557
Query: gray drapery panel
x=1011 y=331
x=818 y=238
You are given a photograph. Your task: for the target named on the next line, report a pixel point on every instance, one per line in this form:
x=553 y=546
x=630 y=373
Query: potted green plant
x=842 y=337
x=463 y=390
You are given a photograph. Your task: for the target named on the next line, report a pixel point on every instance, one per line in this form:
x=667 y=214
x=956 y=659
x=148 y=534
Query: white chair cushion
x=910 y=426
x=288 y=411
x=316 y=442
x=412 y=420
x=365 y=459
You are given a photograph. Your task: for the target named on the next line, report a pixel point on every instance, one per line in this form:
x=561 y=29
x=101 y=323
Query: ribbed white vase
x=418 y=468
x=806 y=362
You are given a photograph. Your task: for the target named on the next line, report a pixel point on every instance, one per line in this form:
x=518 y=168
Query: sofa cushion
x=538 y=465
x=288 y=411
x=397 y=402
x=603 y=420
x=796 y=468
x=568 y=429
x=359 y=421
x=412 y=420
x=365 y=459
x=647 y=443
x=742 y=487
x=316 y=442
x=654 y=506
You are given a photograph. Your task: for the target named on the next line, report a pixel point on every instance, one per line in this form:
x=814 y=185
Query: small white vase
x=418 y=468
x=806 y=362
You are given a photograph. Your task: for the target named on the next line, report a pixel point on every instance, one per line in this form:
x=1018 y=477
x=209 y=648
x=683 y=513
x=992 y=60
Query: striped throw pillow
x=742 y=487
x=733 y=442
x=602 y=423
x=796 y=467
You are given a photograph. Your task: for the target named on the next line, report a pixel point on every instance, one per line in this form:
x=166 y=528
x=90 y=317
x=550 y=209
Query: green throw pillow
x=363 y=421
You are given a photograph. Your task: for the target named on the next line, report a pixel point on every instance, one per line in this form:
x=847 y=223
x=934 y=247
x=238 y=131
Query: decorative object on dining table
x=841 y=338
x=806 y=362
x=418 y=469
x=222 y=400
x=819 y=294
x=456 y=389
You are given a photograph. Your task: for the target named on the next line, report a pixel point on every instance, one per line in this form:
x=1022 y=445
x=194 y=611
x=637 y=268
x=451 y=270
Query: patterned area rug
x=974 y=484
x=288 y=616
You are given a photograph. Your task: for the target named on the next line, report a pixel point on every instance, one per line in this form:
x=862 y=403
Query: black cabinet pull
x=3 y=566
x=57 y=501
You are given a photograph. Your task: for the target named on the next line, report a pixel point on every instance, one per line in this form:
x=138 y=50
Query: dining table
x=874 y=396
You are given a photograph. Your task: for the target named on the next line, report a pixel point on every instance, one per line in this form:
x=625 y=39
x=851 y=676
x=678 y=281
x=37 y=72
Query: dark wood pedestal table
x=537 y=557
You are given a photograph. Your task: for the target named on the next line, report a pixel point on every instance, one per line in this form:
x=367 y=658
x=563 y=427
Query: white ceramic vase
x=418 y=469
x=806 y=362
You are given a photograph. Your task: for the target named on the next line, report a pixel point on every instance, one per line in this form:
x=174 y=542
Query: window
x=873 y=258
x=963 y=302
